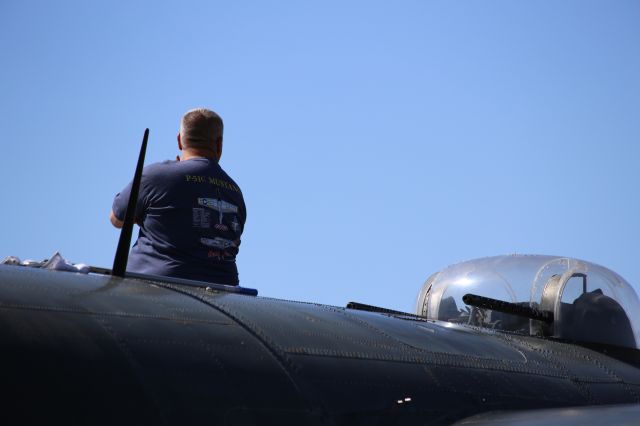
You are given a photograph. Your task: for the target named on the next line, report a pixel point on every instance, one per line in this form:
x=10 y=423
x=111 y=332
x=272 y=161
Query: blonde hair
x=200 y=128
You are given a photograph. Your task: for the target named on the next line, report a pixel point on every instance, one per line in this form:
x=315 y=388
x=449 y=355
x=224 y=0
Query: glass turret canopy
x=587 y=302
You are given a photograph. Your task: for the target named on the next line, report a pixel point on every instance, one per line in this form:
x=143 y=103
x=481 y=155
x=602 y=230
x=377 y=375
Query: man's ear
x=219 y=147
x=179 y=142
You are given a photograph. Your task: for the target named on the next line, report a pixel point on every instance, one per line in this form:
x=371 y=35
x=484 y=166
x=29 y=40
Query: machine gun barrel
x=508 y=307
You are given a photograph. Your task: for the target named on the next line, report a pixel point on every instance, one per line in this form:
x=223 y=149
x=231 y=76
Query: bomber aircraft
x=500 y=340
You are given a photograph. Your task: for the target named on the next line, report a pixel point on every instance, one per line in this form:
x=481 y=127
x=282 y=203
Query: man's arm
x=119 y=206
x=121 y=202
x=115 y=221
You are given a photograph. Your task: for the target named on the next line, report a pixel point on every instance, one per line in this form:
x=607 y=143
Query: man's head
x=201 y=133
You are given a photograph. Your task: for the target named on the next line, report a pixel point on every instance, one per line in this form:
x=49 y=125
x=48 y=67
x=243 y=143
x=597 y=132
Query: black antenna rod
x=122 y=253
x=508 y=308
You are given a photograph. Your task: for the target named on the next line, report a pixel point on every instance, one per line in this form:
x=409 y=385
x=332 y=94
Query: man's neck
x=190 y=153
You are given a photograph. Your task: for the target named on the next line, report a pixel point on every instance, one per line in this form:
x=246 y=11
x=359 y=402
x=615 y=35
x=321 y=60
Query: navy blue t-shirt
x=191 y=216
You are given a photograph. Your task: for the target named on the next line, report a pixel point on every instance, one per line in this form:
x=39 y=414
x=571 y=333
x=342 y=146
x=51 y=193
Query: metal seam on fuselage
x=281 y=358
x=107 y=314
x=580 y=385
x=466 y=361
x=372 y=327
x=610 y=372
x=133 y=362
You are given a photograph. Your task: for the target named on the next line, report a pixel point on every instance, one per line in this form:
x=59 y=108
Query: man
x=191 y=213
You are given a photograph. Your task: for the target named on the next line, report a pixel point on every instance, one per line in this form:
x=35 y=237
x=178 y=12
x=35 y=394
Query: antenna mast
x=122 y=253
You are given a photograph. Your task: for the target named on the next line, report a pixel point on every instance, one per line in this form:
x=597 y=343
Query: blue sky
x=375 y=142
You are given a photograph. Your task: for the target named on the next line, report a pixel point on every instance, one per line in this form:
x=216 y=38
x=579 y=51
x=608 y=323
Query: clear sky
x=375 y=142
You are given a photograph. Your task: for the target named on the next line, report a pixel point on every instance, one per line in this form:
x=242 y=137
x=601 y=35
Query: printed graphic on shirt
x=212 y=181
x=218 y=248
x=235 y=225
x=218 y=243
x=218 y=205
x=221 y=255
x=201 y=217
x=221 y=207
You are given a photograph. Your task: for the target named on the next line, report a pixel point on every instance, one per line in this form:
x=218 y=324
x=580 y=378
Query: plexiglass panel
x=590 y=303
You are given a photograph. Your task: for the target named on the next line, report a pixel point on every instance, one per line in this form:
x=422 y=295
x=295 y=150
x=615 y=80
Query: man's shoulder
x=194 y=170
x=160 y=165
x=160 y=174
x=160 y=168
x=225 y=176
